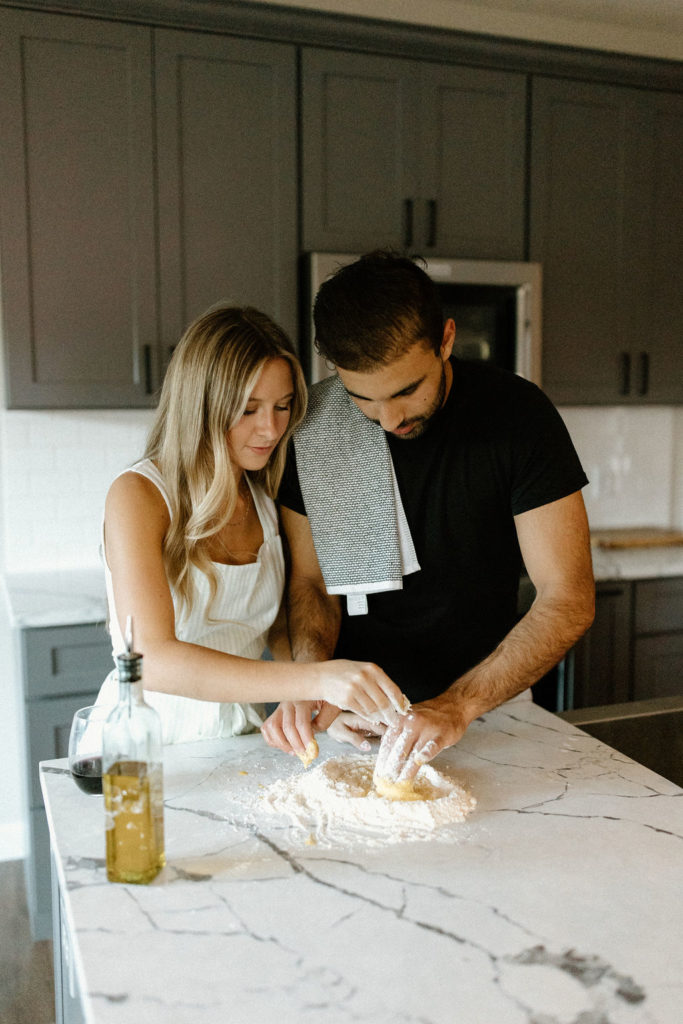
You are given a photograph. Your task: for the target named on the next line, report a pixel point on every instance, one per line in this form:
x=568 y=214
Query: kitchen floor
x=26 y=985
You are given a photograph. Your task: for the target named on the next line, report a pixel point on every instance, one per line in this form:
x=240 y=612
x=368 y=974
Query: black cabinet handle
x=625 y=373
x=644 y=373
x=431 y=222
x=408 y=222
x=147 y=367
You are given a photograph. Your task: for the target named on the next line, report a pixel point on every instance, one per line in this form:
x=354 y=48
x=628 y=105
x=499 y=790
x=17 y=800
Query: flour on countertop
x=334 y=801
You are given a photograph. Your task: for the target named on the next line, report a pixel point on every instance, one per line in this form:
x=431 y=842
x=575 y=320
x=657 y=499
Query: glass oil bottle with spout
x=132 y=778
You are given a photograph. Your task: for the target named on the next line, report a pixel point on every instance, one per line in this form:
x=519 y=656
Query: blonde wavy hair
x=212 y=373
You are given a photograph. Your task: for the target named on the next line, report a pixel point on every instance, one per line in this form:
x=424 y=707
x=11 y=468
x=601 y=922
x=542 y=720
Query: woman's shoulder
x=132 y=491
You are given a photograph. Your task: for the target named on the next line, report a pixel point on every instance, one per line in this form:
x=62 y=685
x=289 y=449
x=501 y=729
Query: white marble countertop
x=66 y=597
x=637 y=563
x=556 y=901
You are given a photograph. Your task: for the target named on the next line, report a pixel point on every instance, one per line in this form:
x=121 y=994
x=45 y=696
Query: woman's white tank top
x=244 y=609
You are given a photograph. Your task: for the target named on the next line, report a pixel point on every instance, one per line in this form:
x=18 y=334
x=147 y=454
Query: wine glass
x=85 y=747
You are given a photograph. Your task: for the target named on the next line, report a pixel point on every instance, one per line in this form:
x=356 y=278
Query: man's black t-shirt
x=497 y=448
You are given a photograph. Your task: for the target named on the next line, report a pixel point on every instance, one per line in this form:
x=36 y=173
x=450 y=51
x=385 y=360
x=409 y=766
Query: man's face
x=403 y=396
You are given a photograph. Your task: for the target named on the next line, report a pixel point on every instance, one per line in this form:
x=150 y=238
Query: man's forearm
x=532 y=647
x=314 y=618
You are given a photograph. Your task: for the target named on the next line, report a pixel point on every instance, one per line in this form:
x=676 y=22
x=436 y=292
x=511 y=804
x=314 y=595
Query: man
x=490 y=484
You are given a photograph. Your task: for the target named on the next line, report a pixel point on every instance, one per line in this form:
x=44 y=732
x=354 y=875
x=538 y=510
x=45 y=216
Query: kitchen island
x=558 y=900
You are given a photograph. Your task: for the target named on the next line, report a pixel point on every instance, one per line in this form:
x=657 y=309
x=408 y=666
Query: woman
x=191 y=544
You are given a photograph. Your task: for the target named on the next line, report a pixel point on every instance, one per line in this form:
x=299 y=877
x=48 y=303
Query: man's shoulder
x=484 y=388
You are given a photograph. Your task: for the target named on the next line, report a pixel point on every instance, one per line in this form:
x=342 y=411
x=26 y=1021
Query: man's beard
x=422 y=423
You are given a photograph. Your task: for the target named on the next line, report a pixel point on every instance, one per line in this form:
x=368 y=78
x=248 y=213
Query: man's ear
x=448 y=339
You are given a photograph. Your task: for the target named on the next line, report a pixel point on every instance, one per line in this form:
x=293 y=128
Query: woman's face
x=255 y=435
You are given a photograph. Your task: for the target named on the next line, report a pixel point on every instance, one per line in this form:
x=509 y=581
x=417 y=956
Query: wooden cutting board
x=636 y=537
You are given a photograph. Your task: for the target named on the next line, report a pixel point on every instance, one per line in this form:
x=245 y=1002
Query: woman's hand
x=364 y=689
x=359 y=687
x=292 y=724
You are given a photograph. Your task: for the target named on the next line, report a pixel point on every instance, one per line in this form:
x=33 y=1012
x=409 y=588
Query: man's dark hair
x=372 y=311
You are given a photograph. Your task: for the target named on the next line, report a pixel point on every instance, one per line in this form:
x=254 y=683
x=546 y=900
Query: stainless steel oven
x=496 y=305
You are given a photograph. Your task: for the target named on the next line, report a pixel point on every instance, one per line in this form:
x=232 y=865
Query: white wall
x=57 y=467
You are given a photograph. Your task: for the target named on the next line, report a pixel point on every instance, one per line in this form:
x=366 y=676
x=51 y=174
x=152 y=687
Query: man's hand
x=419 y=736
x=292 y=724
x=350 y=728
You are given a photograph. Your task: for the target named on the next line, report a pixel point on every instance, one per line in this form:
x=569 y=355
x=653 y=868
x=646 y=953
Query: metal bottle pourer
x=129 y=663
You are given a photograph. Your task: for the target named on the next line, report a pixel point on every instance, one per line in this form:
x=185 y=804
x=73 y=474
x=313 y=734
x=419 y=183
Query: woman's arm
x=136 y=520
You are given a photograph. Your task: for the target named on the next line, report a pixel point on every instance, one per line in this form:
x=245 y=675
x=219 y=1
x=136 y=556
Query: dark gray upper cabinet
x=606 y=220
x=661 y=286
x=76 y=212
x=411 y=154
x=95 y=289
x=226 y=135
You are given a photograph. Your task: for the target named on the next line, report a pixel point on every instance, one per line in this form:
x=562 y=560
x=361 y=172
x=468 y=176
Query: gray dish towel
x=352 y=499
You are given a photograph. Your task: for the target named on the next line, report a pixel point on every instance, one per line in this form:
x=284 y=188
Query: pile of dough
x=309 y=754
x=404 y=790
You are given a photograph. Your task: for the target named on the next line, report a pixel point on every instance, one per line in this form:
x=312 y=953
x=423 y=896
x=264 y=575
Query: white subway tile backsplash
x=628 y=456
x=56 y=469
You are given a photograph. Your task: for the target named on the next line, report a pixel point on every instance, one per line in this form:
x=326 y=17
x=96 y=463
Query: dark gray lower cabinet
x=658 y=645
x=634 y=649
x=602 y=659
x=62 y=668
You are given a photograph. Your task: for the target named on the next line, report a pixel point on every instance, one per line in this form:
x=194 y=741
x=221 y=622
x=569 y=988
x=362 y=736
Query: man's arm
x=313 y=615
x=555 y=544
x=313 y=618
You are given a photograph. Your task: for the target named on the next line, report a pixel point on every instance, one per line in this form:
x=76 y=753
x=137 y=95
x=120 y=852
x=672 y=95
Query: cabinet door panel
x=358 y=150
x=659 y=605
x=660 y=252
x=578 y=171
x=65 y=660
x=227 y=176
x=77 y=217
x=602 y=658
x=658 y=670
x=473 y=133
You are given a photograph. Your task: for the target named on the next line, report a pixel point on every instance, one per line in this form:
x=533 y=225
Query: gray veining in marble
x=558 y=901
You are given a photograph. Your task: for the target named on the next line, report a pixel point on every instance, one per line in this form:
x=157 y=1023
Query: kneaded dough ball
x=404 y=790
x=309 y=754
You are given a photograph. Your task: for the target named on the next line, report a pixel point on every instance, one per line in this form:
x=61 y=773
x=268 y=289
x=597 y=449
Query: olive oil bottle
x=132 y=778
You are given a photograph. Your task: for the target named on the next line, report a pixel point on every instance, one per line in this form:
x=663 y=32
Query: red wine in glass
x=87 y=774
x=85 y=747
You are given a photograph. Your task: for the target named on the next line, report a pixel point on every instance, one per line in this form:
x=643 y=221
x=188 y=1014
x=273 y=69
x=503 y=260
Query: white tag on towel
x=357 y=604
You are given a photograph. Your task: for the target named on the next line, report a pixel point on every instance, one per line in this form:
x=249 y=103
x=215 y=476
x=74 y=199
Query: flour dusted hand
x=416 y=738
